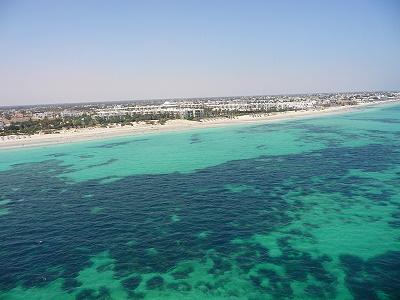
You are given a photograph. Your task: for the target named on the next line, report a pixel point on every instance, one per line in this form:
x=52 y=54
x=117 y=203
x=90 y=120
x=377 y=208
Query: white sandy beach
x=83 y=134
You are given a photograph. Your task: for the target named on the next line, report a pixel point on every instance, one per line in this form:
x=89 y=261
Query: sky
x=79 y=51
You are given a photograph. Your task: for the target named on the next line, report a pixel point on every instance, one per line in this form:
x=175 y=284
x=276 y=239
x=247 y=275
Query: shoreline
x=99 y=133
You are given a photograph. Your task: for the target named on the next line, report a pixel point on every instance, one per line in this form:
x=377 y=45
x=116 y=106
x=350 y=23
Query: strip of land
x=93 y=133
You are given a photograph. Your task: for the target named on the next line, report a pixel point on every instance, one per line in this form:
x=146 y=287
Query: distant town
x=29 y=120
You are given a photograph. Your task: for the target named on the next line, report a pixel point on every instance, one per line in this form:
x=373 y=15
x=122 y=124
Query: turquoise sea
x=301 y=209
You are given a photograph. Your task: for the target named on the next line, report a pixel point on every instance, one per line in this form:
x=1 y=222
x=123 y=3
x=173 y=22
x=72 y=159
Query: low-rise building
x=192 y=114
x=43 y=114
x=71 y=114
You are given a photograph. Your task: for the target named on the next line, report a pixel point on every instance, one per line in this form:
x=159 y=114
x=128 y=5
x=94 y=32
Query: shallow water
x=303 y=209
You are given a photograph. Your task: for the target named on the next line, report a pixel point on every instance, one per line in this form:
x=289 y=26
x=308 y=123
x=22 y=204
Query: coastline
x=98 y=133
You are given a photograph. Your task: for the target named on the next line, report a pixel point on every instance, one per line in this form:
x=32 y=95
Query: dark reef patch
x=180 y=286
x=262 y=147
x=117 y=144
x=90 y=294
x=195 y=139
x=183 y=272
x=156 y=282
x=366 y=279
x=220 y=266
x=132 y=282
x=108 y=162
x=86 y=156
x=55 y=155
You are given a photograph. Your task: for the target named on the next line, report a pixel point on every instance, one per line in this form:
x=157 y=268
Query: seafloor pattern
x=307 y=209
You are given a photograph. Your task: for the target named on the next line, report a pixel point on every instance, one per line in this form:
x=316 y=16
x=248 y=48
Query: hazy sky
x=70 y=51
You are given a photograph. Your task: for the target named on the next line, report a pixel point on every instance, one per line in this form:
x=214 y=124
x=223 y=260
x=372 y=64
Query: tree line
x=52 y=125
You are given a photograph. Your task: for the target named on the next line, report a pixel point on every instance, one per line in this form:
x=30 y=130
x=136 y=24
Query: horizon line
x=197 y=97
